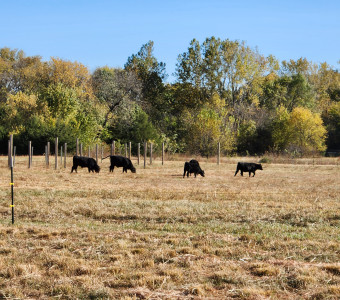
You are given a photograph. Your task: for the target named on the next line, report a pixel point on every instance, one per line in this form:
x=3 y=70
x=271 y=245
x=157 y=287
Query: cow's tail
x=106 y=156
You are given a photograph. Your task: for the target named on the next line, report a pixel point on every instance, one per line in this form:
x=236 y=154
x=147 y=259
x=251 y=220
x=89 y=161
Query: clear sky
x=101 y=32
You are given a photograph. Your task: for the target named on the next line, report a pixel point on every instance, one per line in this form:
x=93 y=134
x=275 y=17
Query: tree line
x=224 y=92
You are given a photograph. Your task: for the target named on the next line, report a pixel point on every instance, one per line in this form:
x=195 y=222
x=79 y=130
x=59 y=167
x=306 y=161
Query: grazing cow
x=247 y=167
x=121 y=161
x=192 y=167
x=85 y=162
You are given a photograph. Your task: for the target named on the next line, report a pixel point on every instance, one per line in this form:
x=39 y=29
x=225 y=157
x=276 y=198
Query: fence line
x=79 y=151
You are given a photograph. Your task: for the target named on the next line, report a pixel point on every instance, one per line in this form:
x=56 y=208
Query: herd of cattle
x=118 y=161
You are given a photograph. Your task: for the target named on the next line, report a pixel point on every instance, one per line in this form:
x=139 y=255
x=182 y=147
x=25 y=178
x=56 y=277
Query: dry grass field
x=155 y=235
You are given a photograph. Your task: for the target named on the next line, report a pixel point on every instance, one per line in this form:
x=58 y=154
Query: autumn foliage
x=224 y=92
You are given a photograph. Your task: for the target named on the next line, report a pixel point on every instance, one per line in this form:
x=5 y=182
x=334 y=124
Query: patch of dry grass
x=155 y=235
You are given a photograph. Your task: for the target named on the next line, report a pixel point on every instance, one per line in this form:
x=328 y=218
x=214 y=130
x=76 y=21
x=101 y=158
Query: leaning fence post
x=56 y=153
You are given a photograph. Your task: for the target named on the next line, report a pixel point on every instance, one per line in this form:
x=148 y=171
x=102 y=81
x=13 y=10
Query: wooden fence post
x=145 y=150
x=89 y=151
x=97 y=153
x=138 y=153
x=129 y=150
x=77 y=146
x=81 y=149
x=56 y=153
x=10 y=150
x=114 y=147
x=14 y=153
x=12 y=188
x=48 y=152
x=65 y=154
x=9 y=153
x=150 y=153
x=29 y=154
x=163 y=153
x=218 y=152
x=125 y=145
x=46 y=155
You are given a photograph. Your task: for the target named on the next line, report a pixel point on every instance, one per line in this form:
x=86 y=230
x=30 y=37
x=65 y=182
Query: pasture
x=155 y=235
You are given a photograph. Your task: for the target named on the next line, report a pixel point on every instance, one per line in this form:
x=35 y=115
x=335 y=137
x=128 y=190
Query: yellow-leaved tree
x=300 y=131
x=308 y=133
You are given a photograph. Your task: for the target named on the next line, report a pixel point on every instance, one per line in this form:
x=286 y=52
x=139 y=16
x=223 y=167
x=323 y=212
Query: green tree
x=113 y=87
x=288 y=91
x=151 y=72
x=331 y=118
x=208 y=127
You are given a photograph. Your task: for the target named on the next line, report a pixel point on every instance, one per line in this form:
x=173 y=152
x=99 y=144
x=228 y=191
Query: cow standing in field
x=121 y=161
x=192 y=167
x=85 y=162
x=247 y=167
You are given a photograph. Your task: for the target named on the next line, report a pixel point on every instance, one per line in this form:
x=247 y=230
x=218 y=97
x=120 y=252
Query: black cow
x=85 y=162
x=121 y=161
x=247 y=167
x=192 y=167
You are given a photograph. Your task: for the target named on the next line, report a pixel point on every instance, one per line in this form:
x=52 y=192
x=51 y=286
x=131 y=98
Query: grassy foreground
x=155 y=235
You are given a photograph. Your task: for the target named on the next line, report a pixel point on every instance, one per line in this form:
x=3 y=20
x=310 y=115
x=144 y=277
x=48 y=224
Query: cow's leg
x=236 y=171
x=195 y=174
x=254 y=173
x=241 y=172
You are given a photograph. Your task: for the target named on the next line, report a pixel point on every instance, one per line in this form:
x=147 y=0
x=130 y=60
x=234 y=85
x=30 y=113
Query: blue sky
x=100 y=32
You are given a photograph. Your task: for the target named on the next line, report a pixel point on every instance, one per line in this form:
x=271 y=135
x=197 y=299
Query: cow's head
x=201 y=172
x=96 y=168
x=259 y=167
x=133 y=169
